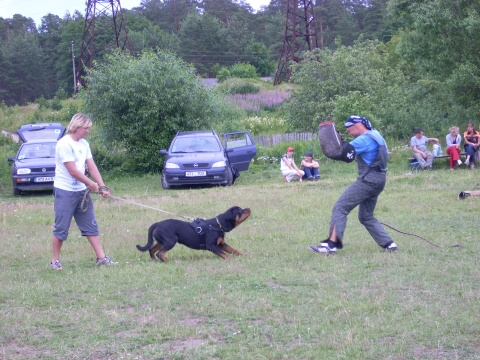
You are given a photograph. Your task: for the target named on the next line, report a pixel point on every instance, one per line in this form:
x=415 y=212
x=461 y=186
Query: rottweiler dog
x=199 y=234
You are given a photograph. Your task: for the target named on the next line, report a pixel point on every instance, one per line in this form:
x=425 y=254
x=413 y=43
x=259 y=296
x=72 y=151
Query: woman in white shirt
x=289 y=169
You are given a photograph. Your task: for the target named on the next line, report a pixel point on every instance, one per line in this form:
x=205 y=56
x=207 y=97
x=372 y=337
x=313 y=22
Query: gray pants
x=364 y=194
x=424 y=163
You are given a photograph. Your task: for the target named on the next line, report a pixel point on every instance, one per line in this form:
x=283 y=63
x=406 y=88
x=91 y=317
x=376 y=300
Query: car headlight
x=222 y=163
x=169 y=165
x=23 y=171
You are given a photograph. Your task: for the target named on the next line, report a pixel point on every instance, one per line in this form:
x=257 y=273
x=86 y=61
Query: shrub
x=245 y=88
x=244 y=70
x=141 y=103
x=223 y=74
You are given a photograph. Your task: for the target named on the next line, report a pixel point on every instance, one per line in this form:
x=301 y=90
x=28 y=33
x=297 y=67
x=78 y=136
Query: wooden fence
x=271 y=140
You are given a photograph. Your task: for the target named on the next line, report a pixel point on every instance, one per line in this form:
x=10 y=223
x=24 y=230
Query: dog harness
x=202 y=227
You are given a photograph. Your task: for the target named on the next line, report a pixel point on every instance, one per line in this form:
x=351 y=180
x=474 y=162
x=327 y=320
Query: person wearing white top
x=454 y=141
x=72 y=155
x=289 y=169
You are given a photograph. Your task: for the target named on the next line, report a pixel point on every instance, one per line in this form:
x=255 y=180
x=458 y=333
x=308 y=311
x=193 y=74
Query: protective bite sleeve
x=332 y=146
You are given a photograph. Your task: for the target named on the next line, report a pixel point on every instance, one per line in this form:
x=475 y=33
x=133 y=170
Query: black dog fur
x=168 y=232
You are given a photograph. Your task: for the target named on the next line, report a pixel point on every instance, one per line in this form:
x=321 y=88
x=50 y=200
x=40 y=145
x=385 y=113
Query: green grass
x=280 y=301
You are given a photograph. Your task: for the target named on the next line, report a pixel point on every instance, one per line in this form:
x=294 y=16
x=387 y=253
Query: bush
x=140 y=104
x=245 y=88
x=244 y=70
x=223 y=74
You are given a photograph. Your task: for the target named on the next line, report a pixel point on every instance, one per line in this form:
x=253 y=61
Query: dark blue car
x=200 y=157
x=34 y=165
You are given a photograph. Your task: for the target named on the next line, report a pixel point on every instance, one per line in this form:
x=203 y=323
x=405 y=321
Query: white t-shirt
x=70 y=150
x=283 y=166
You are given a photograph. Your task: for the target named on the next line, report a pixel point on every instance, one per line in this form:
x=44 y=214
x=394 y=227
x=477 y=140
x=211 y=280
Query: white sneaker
x=472 y=166
x=459 y=162
x=467 y=162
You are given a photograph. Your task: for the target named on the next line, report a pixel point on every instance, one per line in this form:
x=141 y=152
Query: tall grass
x=279 y=301
x=252 y=103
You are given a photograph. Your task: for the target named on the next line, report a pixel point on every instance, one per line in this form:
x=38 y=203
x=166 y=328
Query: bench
x=415 y=165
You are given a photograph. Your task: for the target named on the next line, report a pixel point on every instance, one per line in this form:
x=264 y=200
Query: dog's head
x=233 y=217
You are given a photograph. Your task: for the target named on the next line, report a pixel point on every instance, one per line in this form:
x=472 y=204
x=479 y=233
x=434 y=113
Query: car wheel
x=16 y=191
x=229 y=178
x=165 y=184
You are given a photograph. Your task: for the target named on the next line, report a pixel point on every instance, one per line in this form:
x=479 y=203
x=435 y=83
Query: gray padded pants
x=364 y=194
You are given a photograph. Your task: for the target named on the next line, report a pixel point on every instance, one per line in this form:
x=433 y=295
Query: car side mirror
x=163 y=152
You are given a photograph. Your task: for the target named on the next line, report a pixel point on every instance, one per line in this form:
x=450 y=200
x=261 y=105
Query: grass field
x=280 y=301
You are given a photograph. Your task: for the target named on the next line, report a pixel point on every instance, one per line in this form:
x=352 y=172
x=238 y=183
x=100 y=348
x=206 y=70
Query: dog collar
x=218 y=222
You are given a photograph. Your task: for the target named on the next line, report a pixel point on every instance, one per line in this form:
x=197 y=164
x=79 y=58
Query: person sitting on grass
x=289 y=169
x=453 y=146
x=310 y=167
x=472 y=142
x=420 y=151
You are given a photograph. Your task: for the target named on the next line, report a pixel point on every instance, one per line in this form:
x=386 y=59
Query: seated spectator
x=420 y=151
x=472 y=142
x=310 y=167
x=453 y=146
x=289 y=170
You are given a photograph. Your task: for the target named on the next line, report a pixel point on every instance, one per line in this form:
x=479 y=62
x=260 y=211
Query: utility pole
x=74 y=72
x=300 y=35
x=103 y=17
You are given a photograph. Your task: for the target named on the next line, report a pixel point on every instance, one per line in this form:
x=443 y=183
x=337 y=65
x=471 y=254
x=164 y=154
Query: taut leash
x=149 y=207
x=101 y=189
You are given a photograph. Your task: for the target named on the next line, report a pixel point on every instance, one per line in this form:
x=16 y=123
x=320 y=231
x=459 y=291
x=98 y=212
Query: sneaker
x=106 y=261
x=56 y=265
x=391 y=248
x=466 y=162
x=310 y=178
x=326 y=247
x=472 y=166
x=317 y=178
x=459 y=162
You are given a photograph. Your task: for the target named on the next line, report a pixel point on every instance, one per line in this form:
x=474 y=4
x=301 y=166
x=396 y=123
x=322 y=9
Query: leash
x=101 y=189
x=402 y=232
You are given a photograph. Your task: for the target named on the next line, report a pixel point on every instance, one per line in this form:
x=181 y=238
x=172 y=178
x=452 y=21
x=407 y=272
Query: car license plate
x=195 y=173
x=43 y=179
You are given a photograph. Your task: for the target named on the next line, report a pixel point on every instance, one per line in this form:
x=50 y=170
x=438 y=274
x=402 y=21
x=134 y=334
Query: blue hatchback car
x=200 y=157
x=34 y=165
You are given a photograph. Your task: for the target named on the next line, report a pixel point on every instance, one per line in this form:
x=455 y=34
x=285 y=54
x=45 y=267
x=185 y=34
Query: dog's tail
x=150 y=240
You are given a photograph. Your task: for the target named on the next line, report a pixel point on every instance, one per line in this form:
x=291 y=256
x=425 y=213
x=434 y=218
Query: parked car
x=199 y=157
x=34 y=165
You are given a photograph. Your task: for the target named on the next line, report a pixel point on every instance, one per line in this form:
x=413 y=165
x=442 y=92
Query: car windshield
x=35 y=151
x=195 y=144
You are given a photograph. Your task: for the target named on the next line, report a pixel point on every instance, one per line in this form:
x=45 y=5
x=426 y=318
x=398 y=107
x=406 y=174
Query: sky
x=36 y=9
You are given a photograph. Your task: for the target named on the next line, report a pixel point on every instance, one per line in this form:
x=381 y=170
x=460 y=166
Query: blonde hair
x=454 y=128
x=78 y=120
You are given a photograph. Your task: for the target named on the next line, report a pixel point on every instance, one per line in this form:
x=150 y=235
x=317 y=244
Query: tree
x=349 y=80
x=203 y=41
x=24 y=80
x=49 y=37
x=438 y=39
x=140 y=103
x=71 y=31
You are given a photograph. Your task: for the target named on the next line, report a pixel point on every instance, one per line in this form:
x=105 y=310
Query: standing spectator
x=72 y=154
x=310 y=167
x=472 y=142
x=420 y=151
x=453 y=146
x=289 y=169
